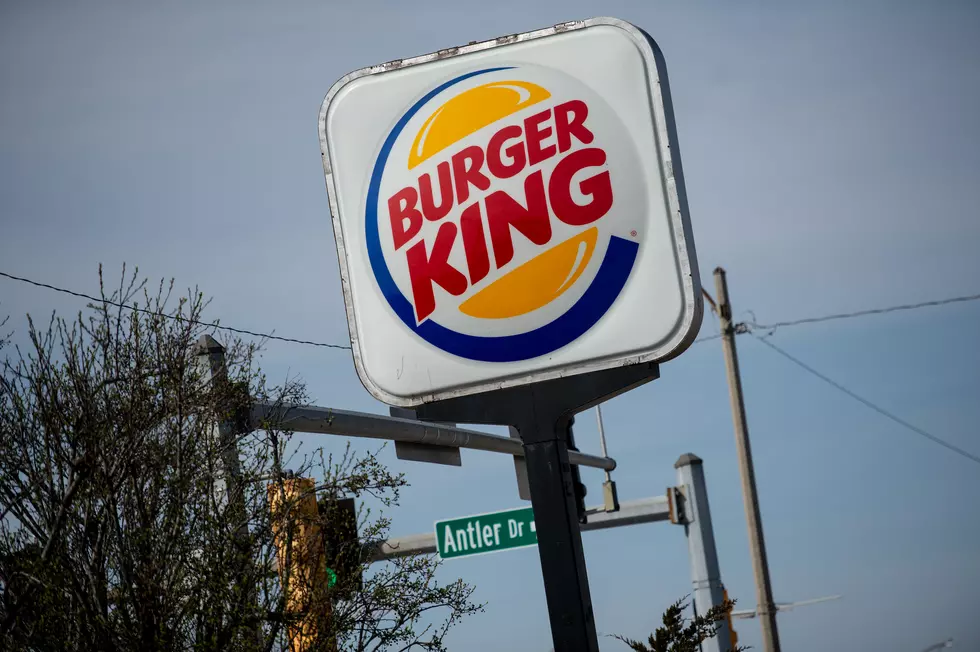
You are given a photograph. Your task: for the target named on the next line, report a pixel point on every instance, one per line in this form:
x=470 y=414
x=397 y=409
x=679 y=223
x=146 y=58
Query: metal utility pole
x=705 y=573
x=753 y=517
x=228 y=486
x=211 y=355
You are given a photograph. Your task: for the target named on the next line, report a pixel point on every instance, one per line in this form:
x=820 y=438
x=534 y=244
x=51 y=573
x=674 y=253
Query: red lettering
x=598 y=187
x=504 y=212
x=570 y=121
x=432 y=212
x=401 y=207
x=495 y=163
x=474 y=243
x=535 y=135
x=466 y=171
x=435 y=268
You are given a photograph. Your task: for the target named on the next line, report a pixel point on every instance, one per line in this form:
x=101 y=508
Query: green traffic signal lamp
x=342 y=546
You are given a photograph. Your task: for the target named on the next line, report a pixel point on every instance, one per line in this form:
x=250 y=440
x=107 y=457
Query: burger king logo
x=505 y=213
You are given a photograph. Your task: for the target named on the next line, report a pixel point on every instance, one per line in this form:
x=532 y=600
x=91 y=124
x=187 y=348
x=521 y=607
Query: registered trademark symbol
x=633 y=233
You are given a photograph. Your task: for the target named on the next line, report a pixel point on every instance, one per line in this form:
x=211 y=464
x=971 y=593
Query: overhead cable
x=867 y=403
x=214 y=325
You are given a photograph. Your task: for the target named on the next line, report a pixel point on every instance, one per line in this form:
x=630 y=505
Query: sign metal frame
x=675 y=196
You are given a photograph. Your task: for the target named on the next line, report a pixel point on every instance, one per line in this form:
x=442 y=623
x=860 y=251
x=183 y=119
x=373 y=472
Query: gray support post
x=228 y=487
x=211 y=355
x=705 y=574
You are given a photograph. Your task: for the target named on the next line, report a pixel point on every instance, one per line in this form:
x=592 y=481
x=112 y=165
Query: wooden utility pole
x=753 y=516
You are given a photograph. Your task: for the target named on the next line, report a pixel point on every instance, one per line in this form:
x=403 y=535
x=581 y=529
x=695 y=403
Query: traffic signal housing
x=298 y=538
x=342 y=546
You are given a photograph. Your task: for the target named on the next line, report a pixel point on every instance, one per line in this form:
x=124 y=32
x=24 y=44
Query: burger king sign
x=510 y=211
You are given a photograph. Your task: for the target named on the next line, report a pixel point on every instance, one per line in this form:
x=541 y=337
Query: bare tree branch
x=113 y=535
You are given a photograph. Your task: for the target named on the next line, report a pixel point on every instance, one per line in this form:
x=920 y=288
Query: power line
x=863 y=313
x=740 y=328
x=707 y=338
x=240 y=331
x=215 y=326
x=880 y=410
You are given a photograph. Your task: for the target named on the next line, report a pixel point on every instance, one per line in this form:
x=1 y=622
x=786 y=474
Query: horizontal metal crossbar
x=645 y=510
x=330 y=421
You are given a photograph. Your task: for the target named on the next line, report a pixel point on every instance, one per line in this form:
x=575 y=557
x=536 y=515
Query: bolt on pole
x=753 y=516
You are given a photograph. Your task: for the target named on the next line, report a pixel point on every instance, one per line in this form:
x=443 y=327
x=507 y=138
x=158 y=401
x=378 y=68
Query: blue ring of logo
x=584 y=314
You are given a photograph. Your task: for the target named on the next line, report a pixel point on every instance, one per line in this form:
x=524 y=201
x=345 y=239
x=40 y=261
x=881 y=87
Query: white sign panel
x=510 y=211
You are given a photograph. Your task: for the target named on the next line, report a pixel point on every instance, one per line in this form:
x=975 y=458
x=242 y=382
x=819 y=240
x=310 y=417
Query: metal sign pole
x=541 y=413
x=566 y=581
x=487 y=357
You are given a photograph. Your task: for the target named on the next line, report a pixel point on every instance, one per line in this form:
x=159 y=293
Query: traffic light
x=342 y=547
x=577 y=486
x=297 y=535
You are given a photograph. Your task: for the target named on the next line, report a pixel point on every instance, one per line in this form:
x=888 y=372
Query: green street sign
x=485 y=533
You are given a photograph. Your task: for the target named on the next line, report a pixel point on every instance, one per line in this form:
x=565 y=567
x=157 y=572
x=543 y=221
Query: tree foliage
x=678 y=634
x=135 y=505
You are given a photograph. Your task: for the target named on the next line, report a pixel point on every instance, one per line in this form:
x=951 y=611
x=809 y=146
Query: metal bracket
x=422 y=452
x=610 y=497
x=520 y=467
x=675 y=505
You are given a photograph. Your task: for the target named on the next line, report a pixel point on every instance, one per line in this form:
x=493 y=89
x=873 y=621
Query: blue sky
x=831 y=153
